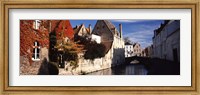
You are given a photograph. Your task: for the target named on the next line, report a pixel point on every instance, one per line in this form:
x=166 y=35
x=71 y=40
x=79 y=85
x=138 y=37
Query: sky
x=140 y=31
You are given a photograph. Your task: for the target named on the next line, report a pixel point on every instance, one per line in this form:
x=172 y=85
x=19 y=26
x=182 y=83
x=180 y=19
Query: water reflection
x=130 y=69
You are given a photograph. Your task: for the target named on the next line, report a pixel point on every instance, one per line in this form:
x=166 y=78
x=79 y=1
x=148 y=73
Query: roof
x=127 y=43
x=62 y=28
x=105 y=34
x=135 y=44
x=68 y=31
x=88 y=30
x=79 y=27
x=111 y=27
x=162 y=25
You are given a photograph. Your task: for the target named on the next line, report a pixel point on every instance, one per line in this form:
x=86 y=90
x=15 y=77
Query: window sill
x=35 y=59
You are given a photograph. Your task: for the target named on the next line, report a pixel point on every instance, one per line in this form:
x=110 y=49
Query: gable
x=64 y=28
x=102 y=30
x=136 y=45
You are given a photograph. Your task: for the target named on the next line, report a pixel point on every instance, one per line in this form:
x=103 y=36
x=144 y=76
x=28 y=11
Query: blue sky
x=140 y=31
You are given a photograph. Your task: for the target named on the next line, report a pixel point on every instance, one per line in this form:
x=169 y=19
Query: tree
x=94 y=50
x=69 y=51
x=66 y=47
x=59 y=29
x=127 y=40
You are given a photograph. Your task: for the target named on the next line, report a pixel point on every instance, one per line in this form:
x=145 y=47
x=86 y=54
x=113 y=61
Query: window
x=36 y=24
x=36 y=51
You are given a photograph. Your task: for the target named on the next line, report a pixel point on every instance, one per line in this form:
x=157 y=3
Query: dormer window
x=36 y=24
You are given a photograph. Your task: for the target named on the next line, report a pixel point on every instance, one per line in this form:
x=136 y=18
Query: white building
x=129 y=50
x=166 y=41
x=96 y=38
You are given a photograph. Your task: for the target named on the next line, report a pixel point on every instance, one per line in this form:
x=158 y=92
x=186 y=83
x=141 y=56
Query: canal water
x=129 y=69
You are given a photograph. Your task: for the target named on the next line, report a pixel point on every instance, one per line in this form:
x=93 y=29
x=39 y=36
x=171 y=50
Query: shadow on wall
x=48 y=68
x=118 y=56
x=52 y=43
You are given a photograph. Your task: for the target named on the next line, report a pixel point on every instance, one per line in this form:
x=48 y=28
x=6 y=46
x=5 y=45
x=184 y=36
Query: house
x=96 y=38
x=148 y=51
x=166 y=41
x=144 y=53
x=34 y=41
x=43 y=35
x=112 y=39
x=59 y=30
x=129 y=50
x=82 y=31
x=137 y=50
x=62 y=28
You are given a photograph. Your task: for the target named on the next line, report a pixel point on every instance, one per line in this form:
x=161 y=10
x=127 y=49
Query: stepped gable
x=58 y=25
x=68 y=31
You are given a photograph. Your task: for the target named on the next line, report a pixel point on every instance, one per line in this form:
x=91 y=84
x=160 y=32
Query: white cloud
x=142 y=37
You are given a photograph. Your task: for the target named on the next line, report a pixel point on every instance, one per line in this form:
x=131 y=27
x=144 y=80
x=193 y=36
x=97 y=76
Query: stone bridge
x=156 y=66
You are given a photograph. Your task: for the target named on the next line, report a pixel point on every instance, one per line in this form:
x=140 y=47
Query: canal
x=128 y=69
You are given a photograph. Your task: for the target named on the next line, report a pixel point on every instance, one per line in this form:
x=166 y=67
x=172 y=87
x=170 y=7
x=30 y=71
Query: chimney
x=90 y=28
x=120 y=30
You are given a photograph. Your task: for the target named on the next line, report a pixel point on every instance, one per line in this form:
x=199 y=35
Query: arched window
x=36 y=51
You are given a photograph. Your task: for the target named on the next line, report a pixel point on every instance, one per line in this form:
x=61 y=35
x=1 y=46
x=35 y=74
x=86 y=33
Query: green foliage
x=94 y=50
x=127 y=40
x=70 y=55
x=69 y=50
x=74 y=64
